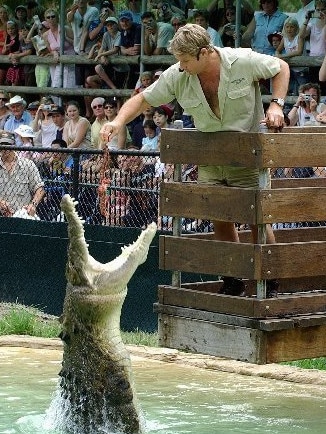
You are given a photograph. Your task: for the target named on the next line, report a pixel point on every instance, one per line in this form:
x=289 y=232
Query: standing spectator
x=227 y=31
x=100 y=118
x=18 y=116
x=22 y=186
x=269 y=20
x=12 y=46
x=201 y=17
x=21 y=15
x=25 y=49
x=308 y=106
x=156 y=35
x=130 y=43
x=315 y=30
x=77 y=130
x=80 y=16
x=292 y=45
x=97 y=27
x=217 y=12
x=42 y=71
x=52 y=40
x=134 y=7
x=4 y=111
x=300 y=15
x=4 y=18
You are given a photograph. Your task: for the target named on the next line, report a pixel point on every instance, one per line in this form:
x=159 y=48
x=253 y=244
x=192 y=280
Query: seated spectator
x=18 y=116
x=100 y=119
x=157 y=35
x=27 y=135
x=150 y=141
x=130 y=43
x=32 y=108
x=60 y=162
x=113 y=76
x=145 y=80
x=137 y=131
x=77 y=130
x=269 y=20
x=178 y=21
x=23 y=189
x=4 y=111
x=43 y=124
x=201 y=17
x=308 y=106
x=123 y=138
x=59 y=119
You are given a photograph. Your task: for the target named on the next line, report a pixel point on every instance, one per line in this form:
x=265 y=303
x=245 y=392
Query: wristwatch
x=278 y=101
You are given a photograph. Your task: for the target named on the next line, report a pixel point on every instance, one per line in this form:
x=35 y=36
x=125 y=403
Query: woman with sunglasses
x=4 y=111
x=52 y=40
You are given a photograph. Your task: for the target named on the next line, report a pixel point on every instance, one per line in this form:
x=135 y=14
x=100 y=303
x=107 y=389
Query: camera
x=165 y=7
x=307 y=97
x=37 y=20
x=47 y=107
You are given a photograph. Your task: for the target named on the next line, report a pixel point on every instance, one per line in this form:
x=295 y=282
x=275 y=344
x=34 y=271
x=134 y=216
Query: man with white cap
x=20 y=180
x=19 y=116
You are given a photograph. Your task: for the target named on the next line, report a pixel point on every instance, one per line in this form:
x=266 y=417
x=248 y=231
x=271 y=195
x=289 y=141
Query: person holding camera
x=307 y=107
x=157 y=34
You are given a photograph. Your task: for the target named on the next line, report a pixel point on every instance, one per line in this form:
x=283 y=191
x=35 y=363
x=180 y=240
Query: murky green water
x=175 y=399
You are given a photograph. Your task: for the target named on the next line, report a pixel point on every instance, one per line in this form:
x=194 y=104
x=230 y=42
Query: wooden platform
x=195 y=317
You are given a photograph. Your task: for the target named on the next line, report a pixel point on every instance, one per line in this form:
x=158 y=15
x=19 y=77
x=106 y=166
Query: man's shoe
x=272 y=287
x=233 y=286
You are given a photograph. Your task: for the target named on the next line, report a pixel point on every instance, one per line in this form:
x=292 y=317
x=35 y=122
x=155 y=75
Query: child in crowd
x=25 y=49
x=150 y=142
x=275 y=40
x=27 y=135
x=145 y=80
x=11 y=46
x=291 y=45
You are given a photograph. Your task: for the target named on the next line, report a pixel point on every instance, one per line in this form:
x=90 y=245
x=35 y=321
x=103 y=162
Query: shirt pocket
x=240 y=92
x=193 y=107
x=22 y=186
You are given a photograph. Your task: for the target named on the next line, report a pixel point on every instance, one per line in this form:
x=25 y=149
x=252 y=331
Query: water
x=175 y=399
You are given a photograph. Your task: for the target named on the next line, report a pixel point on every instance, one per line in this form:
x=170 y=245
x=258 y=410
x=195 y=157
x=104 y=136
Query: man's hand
x=274 y=118
x=109 y=130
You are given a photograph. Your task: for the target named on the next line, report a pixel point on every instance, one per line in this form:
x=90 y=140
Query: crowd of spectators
x=123 y=189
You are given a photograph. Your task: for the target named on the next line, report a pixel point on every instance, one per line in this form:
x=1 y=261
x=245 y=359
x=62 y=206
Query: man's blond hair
x=189 y=39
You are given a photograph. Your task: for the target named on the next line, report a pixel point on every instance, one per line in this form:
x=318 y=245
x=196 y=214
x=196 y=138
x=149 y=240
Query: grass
x=318 y=363
x=23 y=320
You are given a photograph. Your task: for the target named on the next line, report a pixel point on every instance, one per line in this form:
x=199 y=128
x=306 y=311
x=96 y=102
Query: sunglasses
x=50 y=16
x=4 y=99
x=108 y=107
x=97 y=106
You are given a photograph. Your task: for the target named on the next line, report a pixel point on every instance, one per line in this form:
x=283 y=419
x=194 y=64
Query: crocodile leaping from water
x=96 y=386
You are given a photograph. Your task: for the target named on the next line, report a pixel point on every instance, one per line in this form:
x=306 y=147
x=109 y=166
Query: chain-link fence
x=117 y=189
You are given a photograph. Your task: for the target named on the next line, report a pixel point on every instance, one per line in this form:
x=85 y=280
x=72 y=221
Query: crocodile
x=96 y=387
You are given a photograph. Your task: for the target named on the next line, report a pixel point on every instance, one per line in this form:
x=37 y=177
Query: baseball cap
x=112 y=19
x=33 y=105
x=7 y=138
x=107 y=4
x=21 y=7
x=57 y=109
x=25 y=131
x=125 y=15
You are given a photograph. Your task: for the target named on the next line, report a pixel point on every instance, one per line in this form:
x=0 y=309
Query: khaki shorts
x=230 y=176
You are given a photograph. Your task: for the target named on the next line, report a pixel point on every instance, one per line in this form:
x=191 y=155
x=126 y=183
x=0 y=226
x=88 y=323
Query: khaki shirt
x=239 y=96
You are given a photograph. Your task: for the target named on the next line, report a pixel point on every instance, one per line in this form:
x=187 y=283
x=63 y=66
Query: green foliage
x=26 y=321
x=139 y=337
x=284 y=5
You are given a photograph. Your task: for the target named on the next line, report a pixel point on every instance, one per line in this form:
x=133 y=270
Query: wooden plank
x=305 y=303
x=281 y=235
x=293 y=150
x=216 y=339
x=291 y=205
x=271 y=324
x=293 y=260
x=208 y=257
x=218 y=148
x=306 y=129
x=241 y=343
x=208 y=202
x=295 y=344
x=298 y=182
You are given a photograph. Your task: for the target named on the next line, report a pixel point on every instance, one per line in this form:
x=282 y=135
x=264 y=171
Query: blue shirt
x=12 y=124
x=265 y=25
